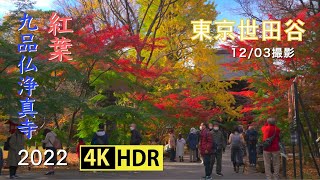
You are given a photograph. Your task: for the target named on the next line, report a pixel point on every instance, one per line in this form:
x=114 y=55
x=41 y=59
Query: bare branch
x=144 y=16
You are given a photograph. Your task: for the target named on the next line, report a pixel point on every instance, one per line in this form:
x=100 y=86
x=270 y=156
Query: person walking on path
x=180 y=147
x=206 y=143
x=135 y=135
x=252 y=140
x=271 y=133
x=192 y=142
x=219 y=144
x=48 y=141
x=16 y=143
x=172 y=146
x=100 y=137
x=236 y=140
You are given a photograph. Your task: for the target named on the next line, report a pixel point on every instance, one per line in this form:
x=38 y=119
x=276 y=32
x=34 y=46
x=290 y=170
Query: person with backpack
x=100 y=137
x=135 y=135
x=252 y=140
x=236 y=140
x=49 y=144
x=271 y=149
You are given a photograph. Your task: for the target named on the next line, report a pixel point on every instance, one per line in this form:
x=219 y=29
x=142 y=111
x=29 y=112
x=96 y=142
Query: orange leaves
x=247 y=93
x=57 y=73
x=247 y=108
x=10 y=70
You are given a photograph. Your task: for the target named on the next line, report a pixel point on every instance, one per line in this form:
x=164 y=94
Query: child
x=80 y=142
x=180 y=147
x=1 y=160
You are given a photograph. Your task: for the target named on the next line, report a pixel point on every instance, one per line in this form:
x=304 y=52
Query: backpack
x=236 y=141
x=6 y=145
x=252 y=139
x=101 y=140
x=56 y=143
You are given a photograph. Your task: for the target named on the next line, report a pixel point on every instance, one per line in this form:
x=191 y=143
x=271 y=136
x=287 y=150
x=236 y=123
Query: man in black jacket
x=219 y=145
x=135 y=135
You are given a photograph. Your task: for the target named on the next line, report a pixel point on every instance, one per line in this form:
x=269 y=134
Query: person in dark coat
x=219 y=144
x=192 y=142
x=135 y=135
x=252 y=140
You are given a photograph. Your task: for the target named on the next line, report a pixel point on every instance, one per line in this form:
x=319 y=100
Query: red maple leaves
x=270 y=78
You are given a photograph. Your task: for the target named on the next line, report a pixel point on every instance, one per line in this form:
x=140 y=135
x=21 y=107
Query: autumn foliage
x=271 y=78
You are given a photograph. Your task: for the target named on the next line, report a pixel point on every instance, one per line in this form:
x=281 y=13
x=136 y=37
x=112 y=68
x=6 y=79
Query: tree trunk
x=71 y=128
x=56 y=121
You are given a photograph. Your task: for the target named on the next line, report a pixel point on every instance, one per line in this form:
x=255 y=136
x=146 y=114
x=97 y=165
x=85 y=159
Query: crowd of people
x=206 y=145
x=209 y=143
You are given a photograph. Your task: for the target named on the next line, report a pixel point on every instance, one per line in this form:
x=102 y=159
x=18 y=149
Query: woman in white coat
x=180 y=147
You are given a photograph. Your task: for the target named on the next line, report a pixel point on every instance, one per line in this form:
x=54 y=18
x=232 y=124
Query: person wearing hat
x=219 y=144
